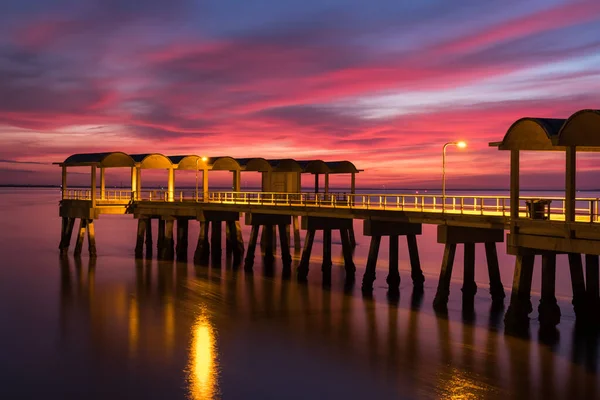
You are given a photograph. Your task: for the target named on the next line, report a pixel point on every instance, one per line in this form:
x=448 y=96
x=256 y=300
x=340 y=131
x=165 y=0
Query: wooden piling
x=592 y=282
x=80 y=236
x=296 y=227
x=286 y=257
x=268 y=243
x=548 y=310
x=91 y=238
x=161 y=238
x=577 y=283
x=149 y=239
x=347 y=252
x=327 y=263
x=369 y=276
x=469 y=288
x=237 y=241
x=443 y=290
x=182 y=239
x=393 y=278
x=249 y=261
x=139 y=243
x=169 y=242
x=228 y=240
x=68 y=224
x=202 y=252
x=416 y=273
x=215 y=241
x=305 y=260
x=351 y=236
x=520 y=299
x=496 y=288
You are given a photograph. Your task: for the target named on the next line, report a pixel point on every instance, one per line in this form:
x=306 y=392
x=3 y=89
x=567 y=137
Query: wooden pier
x=536 y=226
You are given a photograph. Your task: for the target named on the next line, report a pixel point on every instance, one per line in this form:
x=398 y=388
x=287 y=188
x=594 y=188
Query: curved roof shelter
x=532 y=134
x=581 y=129
x=152 y=161
x=103 y=160
x=193 y=162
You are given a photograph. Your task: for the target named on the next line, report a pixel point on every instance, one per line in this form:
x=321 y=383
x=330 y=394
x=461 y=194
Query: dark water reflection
x=114 y=327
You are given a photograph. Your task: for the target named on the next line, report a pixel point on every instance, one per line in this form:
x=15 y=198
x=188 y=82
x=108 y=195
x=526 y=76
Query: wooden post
x=169 y=242
x=570 y=186
x=327 y=263
x=228 y=239
x=520 y=299
x=134 y=194
x=269 y=238
x=393 y=278
x=205 y=185
x=369 y=276
x=249 y=261
x=161 y=238
x=149 y=239
x=305 y=260
x=80 y=236
x=182 y=239
x=215 y=238
x=286 y=257
x=514 y=187
x=351 y=236
x=171 y=185
x=139 y=243
x=64 y=182
x=496 y=288
x=202 y=252
x=416 y=274
x=469 y=288
x=238 y=242
x=592 y=282
x=102 y=184
x=577 y=283
x=548 y=310
x=91 y=238
x=296 y=225
x=68 y=224
x=93 y=186
x=347 y=252
x=443 y=290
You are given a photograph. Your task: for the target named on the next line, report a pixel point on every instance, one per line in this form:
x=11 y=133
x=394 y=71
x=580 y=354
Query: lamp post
x=203 y=160
x=460 y=145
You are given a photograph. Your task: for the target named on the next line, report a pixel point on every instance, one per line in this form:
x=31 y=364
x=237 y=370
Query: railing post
x=462 y=205
x=591 y=210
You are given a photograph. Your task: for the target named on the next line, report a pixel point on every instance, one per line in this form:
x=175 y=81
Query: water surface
x=113 y=327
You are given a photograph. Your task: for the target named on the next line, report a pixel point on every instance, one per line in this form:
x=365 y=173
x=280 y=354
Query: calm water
x=116 y=328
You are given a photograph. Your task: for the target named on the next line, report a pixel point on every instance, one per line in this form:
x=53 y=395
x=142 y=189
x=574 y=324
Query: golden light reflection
x=203 y=368
x=134 y=326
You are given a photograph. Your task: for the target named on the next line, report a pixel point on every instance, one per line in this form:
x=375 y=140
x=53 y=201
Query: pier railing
x=587 y=209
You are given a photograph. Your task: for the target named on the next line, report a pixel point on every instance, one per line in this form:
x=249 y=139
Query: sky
x=381 y=83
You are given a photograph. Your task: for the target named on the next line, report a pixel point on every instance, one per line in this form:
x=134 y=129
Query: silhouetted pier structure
x=537 y=227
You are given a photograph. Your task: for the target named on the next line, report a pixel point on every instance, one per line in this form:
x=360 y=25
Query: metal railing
x=586 y=209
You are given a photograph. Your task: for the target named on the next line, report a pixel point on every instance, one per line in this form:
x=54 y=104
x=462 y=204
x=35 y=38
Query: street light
x=204 y=159
x=460 y=145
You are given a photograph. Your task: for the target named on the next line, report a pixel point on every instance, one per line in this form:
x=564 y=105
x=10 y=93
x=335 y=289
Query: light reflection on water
x=114 y=327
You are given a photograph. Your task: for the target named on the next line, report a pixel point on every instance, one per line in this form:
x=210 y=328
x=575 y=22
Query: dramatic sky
x=382 y=83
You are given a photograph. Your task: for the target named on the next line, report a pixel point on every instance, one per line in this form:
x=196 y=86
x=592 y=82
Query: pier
x=542 y=227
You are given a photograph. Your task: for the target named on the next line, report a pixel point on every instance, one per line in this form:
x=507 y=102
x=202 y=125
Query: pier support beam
x=377 y=229
x=548 y=310
x=182 y=239
x=85 y=226
x=160 y=237
x=249 y=261
x=80 y=236
x=592 y=283
x=347 y=252
x=149 y=239
x=235 y=240
x=141 y=234
x=520 y=299
x=202 y=253
x=166 y=251
x=325 y=224
x=577 y=283
x=215 y=241
x=296 y=227
x=468 y=237
x=270 y=223
x=66 y=233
